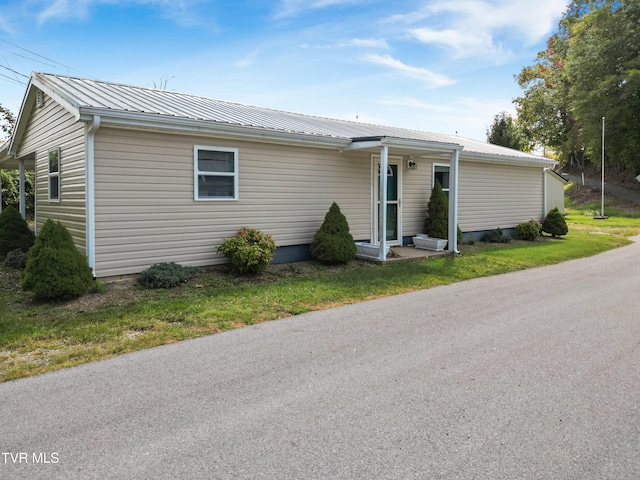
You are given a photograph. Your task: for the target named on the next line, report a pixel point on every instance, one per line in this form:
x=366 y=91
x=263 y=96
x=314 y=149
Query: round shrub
x=528 y=231
x=16 y=259
x=166 y=275
x=14 y=232
x=55 y=268
x=332 y=242
x=250 y=251
x=555 y=224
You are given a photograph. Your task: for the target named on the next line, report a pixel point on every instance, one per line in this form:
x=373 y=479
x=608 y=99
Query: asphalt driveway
x=529 y=375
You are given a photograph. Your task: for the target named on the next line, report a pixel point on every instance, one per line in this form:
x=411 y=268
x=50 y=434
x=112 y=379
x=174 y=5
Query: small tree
x=55 y=267
x=555 y=224
x=14 y=232
x=333 y=243
x=436 y=223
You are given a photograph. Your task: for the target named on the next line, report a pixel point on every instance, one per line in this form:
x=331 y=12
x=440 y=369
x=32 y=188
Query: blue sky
x=444 y=66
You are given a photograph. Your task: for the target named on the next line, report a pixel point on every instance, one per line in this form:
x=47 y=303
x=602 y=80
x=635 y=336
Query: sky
x=444 y=66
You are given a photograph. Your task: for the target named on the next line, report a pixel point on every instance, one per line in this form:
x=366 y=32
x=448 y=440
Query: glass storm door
x=394 y=203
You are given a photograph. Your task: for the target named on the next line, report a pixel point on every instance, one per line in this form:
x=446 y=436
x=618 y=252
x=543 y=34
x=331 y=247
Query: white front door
x=394 y=201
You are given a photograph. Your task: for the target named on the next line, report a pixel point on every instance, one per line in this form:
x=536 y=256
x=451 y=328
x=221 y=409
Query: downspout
x=92 y=128
x=382 y=223
x=544 y=192
x=453 y=203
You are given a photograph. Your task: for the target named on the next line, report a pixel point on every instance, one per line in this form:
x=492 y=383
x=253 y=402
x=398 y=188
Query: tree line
x=590 y=69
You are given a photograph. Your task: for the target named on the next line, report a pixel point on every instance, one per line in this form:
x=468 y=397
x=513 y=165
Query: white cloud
x=181 y=11
x=291 y=8
x=429 y=78
x=477 y=28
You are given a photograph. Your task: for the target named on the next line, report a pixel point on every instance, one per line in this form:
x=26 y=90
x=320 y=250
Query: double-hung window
x=215 y=173
x=441 y=173
x=54 y=175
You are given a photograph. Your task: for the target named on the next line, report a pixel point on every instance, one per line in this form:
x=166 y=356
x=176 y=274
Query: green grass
x=37 y=337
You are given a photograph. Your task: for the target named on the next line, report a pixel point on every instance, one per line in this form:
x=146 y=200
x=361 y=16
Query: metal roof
x=83 y=94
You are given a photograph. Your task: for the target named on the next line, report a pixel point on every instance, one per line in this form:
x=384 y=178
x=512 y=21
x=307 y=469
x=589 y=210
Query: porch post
x=453 y=202
x=382 y=223
x=23 y=206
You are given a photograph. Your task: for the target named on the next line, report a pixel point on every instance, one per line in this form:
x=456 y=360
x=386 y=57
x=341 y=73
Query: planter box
x=368 y=250
x=429 y=243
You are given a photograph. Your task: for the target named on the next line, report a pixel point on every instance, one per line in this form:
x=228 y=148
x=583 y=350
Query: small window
x=441 y=173
x=215 y=173
x=54 y=175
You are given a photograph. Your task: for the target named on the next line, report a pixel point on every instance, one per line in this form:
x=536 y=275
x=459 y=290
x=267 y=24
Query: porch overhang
x=415 y=149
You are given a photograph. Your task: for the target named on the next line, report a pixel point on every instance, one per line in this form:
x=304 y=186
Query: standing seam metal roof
x=126 y=98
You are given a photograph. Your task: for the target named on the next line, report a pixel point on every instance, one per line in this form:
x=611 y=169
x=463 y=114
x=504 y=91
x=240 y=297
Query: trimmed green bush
x=250 y=251
x=436 y=223
x=332 y=242
x=528 y=230
x=495 y=236
x=555 y=224
x=55 y=268
x=16 y=259
x=14 y=232
x=166 y=275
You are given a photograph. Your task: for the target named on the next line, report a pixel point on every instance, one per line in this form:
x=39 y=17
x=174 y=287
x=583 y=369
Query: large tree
x=590 y=70
x=7 y=120
x=504 y=131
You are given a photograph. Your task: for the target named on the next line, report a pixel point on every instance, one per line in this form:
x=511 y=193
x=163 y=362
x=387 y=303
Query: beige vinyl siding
x=146 y=212
x=555 y=192
x=493 y=195
x=417 y=190
x=49 y=127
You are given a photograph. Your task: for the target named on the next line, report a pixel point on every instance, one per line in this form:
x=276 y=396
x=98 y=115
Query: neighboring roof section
x=137 y=106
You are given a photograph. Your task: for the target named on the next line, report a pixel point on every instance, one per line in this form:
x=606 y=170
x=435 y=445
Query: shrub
x=436 y=224
x=528 y=231
x=437 y=220
x=250 y=251
x=14 y=232
x=555 y=224
x=166 y=275
x=332 y=242
x=55 y=268
x=496 y=236
x=16 y=259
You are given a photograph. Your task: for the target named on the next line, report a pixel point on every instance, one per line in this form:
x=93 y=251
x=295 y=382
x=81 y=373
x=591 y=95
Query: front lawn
x=38 y=337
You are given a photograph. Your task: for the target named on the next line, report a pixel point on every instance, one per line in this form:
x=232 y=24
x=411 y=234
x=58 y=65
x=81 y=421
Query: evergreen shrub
x=332 y=242
x=55 y=268
x=496 y=236
x=250 y=251
x=14 y=232
x=555 y=224
x=528 y=230
x=166 y=275
x=16 y=259
x=436 y=223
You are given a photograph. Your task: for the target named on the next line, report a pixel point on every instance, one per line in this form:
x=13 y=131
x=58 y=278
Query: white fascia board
x=134 y=120
x=408 y=144
x=507 y=160
x=57 y=94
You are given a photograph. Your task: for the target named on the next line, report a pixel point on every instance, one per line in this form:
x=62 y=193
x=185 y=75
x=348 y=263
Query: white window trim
x=433 y=175
x=197 y=172
x=56 y=175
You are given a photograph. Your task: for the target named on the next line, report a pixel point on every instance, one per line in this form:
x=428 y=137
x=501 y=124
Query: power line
x=12 y=79
x=14 y=71
x=38 y=55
